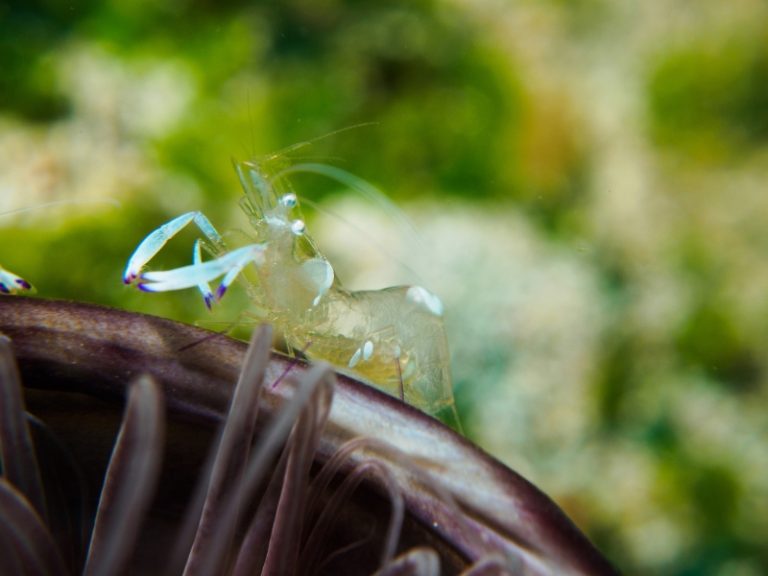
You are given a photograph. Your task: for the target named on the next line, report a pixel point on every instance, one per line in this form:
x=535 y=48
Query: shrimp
x=10 y=283
x=395 y=337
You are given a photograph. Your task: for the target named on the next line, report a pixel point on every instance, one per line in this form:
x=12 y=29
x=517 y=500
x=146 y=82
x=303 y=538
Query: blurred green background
x=587 y=181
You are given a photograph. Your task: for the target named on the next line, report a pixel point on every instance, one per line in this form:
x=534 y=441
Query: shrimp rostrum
x=394 y=337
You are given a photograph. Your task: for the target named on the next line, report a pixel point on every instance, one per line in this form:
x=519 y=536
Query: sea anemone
x=233 y=461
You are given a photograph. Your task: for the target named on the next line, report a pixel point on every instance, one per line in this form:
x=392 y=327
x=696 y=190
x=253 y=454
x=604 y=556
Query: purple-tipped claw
x=208 y=301
x=4 y=289
x=23 y=283
x=220 y=291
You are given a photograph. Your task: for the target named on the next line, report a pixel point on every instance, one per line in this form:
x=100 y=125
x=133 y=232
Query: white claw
x=200 y=273
x=154 y=242
x=10 y=283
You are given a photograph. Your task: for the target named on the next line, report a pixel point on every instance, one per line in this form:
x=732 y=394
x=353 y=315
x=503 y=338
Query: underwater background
x=584 y=184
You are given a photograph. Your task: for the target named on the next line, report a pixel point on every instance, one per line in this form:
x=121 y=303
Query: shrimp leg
x=10 y=283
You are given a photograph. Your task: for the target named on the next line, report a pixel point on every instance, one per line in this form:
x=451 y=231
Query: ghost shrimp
x=393 y=337
x=10 y=283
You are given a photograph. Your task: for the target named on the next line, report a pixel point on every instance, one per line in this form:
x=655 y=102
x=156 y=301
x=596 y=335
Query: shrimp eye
x=298 y=227
x=288 y=200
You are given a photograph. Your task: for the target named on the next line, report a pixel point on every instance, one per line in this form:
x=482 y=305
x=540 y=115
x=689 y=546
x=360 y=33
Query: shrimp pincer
x=394 y=337
x=10 y=283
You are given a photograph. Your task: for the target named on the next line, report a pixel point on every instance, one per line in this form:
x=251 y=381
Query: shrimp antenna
x=303 y=144
x=324 y=137
x=54 y=203
x=362 y=187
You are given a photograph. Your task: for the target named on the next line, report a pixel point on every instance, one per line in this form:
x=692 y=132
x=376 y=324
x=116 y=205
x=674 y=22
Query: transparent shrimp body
x=394 y=337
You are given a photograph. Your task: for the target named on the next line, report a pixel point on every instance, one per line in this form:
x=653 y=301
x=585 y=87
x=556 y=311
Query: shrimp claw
x=199 y=273
x=10 y=283
x=158 y=238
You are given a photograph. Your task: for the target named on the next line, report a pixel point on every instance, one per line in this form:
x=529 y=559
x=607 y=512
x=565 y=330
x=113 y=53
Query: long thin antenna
x=362 y=187
x=303 y=144
x=111 y=201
